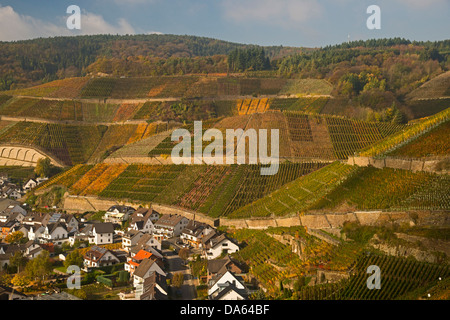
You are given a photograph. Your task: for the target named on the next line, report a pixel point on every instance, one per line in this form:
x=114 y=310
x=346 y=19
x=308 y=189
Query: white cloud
x=286 y=13
x=14 y=26
x=95 y=24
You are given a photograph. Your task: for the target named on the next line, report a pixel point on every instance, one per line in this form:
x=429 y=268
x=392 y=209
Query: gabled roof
x=215 y=241
x=5 y=203
x=121 y=209
x=143 y=268
x=231 y=287
x=132 y=233
x=209 y=236
x=142 y=254
x=154 y=287
x=216 y=279
x=194 y=228
x=139 y=224
x=215 y=265
x=96 y=253
x=105 y=227
x=53 y=226
x=169 y=220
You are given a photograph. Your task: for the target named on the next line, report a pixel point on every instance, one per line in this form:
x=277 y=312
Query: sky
x=299 y=23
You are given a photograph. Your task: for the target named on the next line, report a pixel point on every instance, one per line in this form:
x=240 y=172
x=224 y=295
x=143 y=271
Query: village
x=124 y=253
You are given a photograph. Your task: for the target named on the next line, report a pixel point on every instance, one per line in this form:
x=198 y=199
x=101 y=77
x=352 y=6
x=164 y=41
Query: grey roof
x=215 y=265
x=5 y=203
x=169 y=220
x=55 y=218
x=143 y=268
x=53 y=226
x=209 y=236
x=121 y=209
x=131 y=233
x=105 y=227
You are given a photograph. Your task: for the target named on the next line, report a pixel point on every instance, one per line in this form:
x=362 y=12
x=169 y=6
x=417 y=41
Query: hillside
x=304 y=135
x=437 y=87
x=434 y=143
x=47 y=59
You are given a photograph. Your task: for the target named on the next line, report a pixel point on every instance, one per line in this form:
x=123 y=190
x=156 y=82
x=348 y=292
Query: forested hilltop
x=23 y=63
x=31 y=62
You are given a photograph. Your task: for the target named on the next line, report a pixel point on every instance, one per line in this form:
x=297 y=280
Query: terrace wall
x=327 y=221
x=22 y=156
x=395 y=163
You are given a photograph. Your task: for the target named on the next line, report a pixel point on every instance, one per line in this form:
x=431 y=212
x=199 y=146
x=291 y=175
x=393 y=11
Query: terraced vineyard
x=219 y=191
x=142 y=182
x=262 y=254
x=61 y=141
x=398 y=278
x=434 y=143
x=305 y=104
x=97 y=179
x=370 y=188
x=299 y=194
x=307 y=86
x=349 y=136
x=66 y=178
x=304 y=135
x=405 y=136
x=65 y=88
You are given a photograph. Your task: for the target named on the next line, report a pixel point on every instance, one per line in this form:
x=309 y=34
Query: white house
x=228 y=279
x=141 y=220
x=217 y=245
x=97 y=233
x=147 y=242
x=193 y=233
x=169 y=226
x=30 y=184
x=102 y=233
x=31 y=249
x=99 y=257
x=144 y=270
x=230 y=292
x=118 y=214
x=9 y=207
x=55 y=233
x=35 y=232
x=131 y=238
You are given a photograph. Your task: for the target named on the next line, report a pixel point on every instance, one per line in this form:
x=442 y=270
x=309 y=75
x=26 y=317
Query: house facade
x=131 y=238
x=218 y=245
x=225 y=282
x=99 y=257
x=194 y=232
x=118 y=214
x=169 y=226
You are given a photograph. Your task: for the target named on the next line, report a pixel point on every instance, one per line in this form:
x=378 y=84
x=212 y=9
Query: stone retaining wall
x=327 y=221
x=405 y=164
